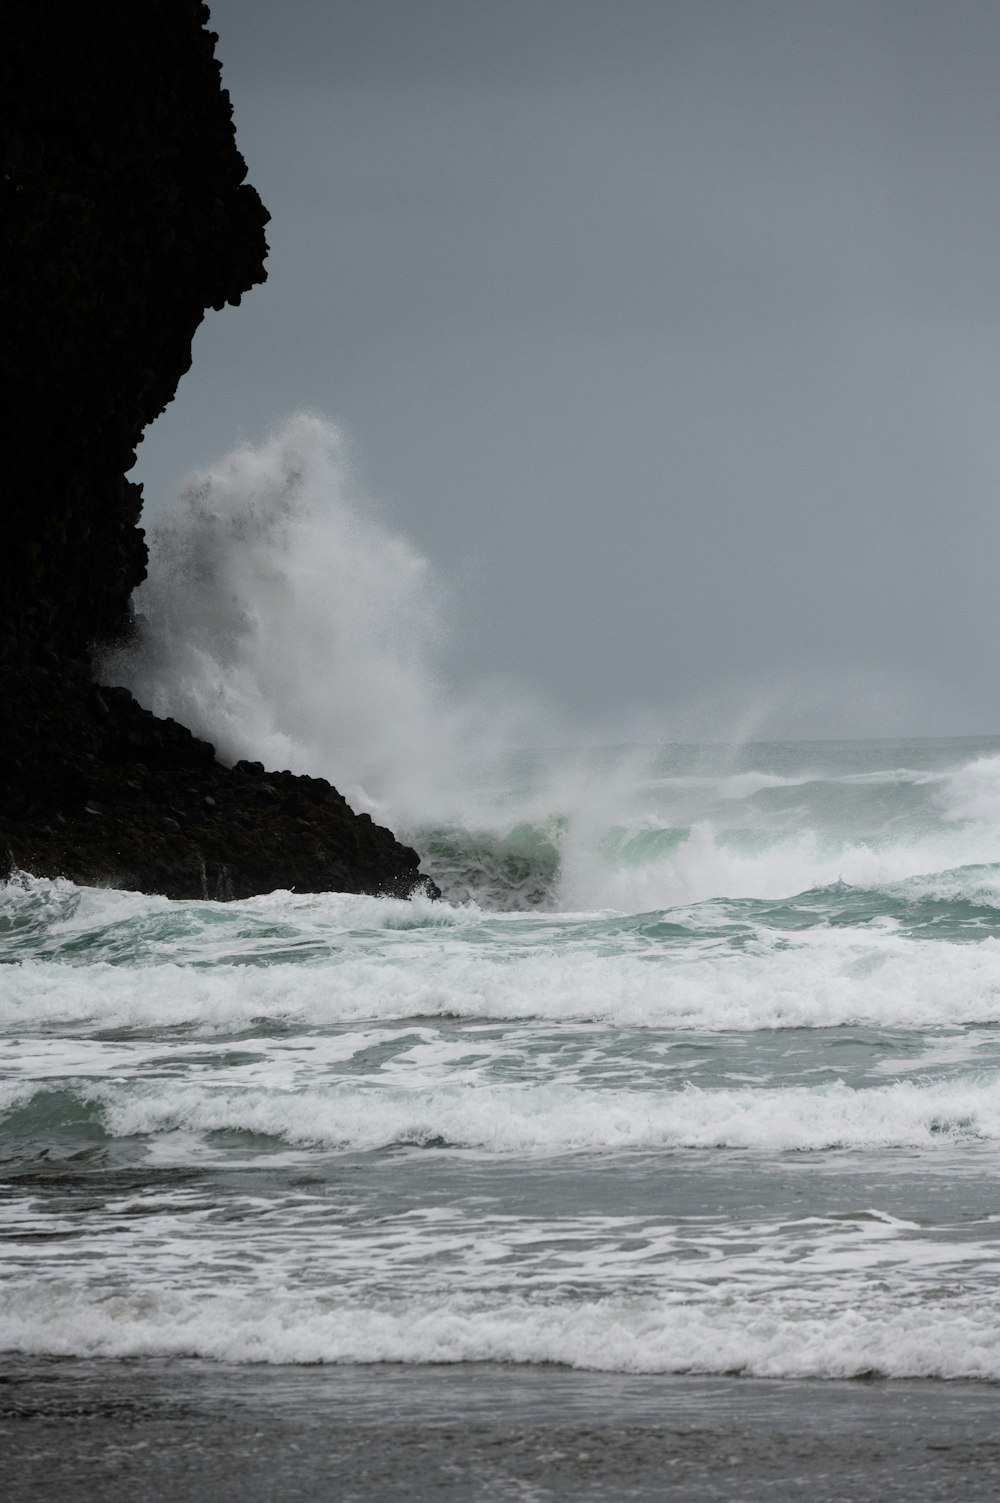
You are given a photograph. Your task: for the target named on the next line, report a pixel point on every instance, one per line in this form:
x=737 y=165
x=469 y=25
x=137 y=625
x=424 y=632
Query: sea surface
x=692 y=1079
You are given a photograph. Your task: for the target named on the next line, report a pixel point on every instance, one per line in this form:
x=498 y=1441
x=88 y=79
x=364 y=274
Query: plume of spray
x=284 y=622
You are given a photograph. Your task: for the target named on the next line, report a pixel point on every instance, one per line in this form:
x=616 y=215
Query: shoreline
x=117 y=1429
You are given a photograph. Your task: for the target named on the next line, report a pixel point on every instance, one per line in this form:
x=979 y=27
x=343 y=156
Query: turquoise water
x=696 y=1070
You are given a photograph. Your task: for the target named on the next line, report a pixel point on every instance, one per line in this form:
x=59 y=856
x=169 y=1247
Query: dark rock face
x=118 y=796
x=123 y=217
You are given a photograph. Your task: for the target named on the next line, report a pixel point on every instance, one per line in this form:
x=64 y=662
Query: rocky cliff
x=125 y=215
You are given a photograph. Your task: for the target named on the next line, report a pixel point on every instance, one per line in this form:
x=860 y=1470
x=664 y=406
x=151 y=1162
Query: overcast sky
x=669 y=330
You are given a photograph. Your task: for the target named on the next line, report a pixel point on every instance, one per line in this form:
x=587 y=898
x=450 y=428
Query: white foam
x=707 y=865
x=14 y=1094
x=557 y=1119
x=972 y=792
x=776 y=1336
x=826 y=978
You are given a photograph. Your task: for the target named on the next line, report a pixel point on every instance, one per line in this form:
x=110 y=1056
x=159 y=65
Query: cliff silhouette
x=125 y=216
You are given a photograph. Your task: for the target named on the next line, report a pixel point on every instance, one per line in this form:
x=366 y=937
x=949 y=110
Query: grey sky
x=670 y=332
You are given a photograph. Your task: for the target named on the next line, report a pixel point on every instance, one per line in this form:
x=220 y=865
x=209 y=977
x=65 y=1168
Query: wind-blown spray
x=283 y=621
x=286 y=622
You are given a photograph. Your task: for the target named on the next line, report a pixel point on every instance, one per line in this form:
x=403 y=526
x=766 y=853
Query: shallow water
x=188 y=1431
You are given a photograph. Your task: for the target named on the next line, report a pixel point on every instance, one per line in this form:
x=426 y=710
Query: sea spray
x=285 y=621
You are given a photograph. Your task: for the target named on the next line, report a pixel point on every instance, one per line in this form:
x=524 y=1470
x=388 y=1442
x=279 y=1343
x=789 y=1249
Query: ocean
x=658 y=1158
x=691 y=1080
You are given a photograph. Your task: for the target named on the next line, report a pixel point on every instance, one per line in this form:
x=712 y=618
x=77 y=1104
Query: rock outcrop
x=125 y=215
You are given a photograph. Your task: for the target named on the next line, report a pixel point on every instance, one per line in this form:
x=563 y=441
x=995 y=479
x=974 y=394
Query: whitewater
x=693 y=1070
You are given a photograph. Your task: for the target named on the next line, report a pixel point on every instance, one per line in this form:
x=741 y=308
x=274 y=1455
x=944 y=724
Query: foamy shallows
x=696 y=1068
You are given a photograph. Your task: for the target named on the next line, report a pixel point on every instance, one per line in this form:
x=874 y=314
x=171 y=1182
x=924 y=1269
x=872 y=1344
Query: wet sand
x=169 y=1430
